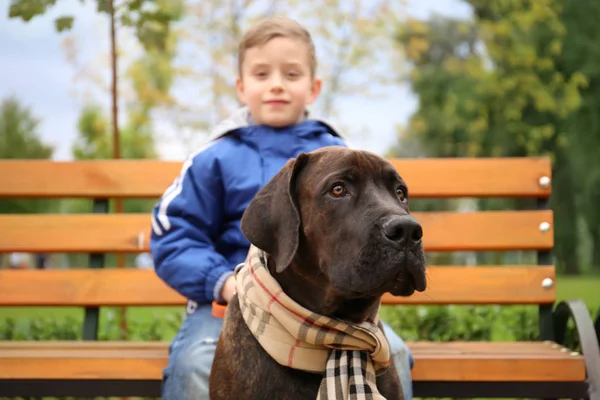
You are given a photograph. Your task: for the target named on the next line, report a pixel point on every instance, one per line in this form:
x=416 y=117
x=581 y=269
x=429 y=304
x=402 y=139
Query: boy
x=196 y=238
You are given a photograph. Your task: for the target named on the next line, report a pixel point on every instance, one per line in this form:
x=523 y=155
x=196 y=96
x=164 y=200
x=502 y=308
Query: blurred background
x=414 y=78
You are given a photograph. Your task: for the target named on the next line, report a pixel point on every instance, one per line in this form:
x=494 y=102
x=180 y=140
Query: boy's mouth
x=276 y=102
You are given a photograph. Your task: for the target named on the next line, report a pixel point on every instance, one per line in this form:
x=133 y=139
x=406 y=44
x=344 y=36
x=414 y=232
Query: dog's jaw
x=325 y=299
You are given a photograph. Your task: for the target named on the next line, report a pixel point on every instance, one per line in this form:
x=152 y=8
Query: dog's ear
x=272 y=220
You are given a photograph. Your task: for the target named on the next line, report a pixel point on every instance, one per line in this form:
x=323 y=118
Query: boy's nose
x=276 y=82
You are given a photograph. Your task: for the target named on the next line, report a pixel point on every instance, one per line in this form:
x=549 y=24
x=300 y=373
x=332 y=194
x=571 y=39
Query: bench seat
x=112 y=364
x=435 y=361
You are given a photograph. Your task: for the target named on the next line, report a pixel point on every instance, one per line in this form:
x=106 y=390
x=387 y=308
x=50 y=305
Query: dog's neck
x=298 y=281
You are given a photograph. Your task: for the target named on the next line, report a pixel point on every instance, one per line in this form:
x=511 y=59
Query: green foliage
x=69 y=327
x=63 y=23
x=40 y=329
x=151 y=19
x=27 y=9
x=462 y=323
x=499 y=85
x=506 y=102
x=95 y=138
x=18 y=132
x=580 y=55
x=19 y=139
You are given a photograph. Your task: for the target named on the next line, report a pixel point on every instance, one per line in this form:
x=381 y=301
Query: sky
x=34 y=68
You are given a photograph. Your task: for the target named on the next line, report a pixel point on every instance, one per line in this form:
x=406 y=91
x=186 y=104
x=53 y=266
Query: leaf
x=135 y=5
x=27 y=9
x=63 y=23
x=104 y=6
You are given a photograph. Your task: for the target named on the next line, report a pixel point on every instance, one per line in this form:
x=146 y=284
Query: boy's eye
x=261 y=74
x=293 y=74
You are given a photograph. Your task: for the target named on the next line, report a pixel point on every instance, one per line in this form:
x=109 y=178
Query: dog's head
x=344 y=214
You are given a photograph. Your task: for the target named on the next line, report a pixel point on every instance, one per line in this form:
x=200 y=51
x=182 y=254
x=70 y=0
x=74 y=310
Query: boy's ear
x=239 y=86
x=315 y=90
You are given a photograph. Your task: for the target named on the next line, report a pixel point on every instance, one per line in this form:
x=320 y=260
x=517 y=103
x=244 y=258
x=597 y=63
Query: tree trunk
x=116 y=143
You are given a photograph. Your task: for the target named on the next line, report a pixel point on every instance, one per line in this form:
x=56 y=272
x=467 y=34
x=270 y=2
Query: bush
x=467 y=323
x=70 y=328
x=40 y=329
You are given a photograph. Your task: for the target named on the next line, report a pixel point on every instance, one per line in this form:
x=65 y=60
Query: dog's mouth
x=412 y=277
x=418 y=279
x=409 y=278
x=412 y=281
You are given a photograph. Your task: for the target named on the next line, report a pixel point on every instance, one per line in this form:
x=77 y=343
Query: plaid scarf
x=349 y=355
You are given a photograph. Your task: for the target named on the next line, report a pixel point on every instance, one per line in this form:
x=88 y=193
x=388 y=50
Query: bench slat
x=131 y=287
x=483 y=285
x=466 y=361
x=445 y=177
x=443 y=231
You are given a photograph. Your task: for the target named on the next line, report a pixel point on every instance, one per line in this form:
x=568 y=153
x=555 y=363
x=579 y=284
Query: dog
x=336 y=234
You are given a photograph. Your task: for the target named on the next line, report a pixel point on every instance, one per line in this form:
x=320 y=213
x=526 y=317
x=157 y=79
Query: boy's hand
x=228 y=289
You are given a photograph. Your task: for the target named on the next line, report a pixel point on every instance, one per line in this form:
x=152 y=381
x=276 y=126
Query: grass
x=586 y=288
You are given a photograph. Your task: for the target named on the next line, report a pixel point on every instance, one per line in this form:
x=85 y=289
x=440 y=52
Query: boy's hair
x=271 y=28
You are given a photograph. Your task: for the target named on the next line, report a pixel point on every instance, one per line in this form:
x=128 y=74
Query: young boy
x=196 y=238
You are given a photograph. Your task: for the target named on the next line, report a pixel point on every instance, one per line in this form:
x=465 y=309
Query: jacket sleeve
x=185 y=222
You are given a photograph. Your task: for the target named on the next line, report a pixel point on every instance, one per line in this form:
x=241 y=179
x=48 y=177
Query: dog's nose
x=402 y=229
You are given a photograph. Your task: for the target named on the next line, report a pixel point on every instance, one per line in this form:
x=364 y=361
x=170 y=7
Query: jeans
x=192 y=350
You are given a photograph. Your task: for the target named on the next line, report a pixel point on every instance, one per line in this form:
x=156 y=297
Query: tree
x=18 y=132
x=151 y=20
x=492 y=87
x=19 y=139
x=582 y=129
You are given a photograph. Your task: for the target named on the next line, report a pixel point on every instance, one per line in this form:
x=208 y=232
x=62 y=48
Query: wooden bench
x=542 y=369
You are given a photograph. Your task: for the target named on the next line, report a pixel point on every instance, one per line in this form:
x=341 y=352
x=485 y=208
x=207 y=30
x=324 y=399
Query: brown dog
x=336 y=226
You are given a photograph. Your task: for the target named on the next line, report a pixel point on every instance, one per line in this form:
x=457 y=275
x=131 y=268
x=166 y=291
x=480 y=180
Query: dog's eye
x=338 y=190
x=401 y=194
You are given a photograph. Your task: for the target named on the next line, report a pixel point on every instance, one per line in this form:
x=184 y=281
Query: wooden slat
x=477 y=362
x=85 y=287
x=443 y=231
x=96 y=178
x=131 y=287
x=475 y=177
x=440 y=177
x=483 y=285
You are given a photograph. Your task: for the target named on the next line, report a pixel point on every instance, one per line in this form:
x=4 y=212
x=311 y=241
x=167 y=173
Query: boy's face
x=276 y=82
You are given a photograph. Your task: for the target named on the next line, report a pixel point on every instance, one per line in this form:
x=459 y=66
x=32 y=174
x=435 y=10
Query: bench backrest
x=129 y=233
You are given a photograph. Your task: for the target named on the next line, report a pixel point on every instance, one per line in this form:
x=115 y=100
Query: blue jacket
x=196 y=238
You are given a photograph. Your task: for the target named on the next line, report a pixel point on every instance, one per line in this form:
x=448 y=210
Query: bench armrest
x=597 y=325
x=588 y=338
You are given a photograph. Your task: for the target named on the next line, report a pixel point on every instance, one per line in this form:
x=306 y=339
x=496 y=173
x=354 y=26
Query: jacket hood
x=241 y=118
